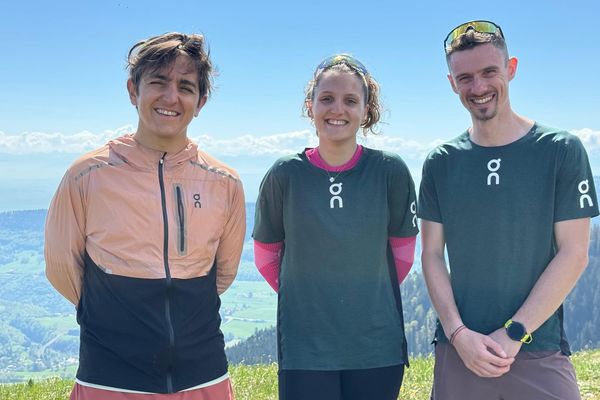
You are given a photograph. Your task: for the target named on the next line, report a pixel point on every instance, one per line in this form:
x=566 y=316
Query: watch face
x=516 y=331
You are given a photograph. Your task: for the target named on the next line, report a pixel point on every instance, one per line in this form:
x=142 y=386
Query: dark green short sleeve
x=428 y=207
x=575 y=190
x=402 y=201
x=268 y=216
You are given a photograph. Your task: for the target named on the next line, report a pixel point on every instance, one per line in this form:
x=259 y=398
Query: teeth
x=166 y=112
x=336 y=122
x=483 y=100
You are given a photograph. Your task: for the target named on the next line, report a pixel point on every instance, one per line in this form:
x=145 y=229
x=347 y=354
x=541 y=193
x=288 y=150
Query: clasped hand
x=487 y=356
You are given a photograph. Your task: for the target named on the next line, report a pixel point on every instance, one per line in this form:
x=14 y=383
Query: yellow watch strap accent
x=527 y=338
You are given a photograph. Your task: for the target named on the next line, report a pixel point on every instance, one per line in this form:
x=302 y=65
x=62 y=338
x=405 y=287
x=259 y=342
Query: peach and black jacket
x=143 y=243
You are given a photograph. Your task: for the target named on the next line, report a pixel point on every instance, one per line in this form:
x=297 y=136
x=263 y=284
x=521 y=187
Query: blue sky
x=62 y=75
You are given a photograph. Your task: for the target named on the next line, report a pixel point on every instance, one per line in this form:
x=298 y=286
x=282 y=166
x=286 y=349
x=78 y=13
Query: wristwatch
x=516 y=331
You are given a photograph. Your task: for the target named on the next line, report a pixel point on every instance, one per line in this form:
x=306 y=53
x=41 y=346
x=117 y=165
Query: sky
x=62 y=76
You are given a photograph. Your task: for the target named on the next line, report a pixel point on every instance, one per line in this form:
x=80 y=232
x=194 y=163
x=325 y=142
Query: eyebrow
x=162 y=77
x=343 y=94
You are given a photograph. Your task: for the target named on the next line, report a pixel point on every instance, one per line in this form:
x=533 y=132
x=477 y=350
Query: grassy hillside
x=260 y=382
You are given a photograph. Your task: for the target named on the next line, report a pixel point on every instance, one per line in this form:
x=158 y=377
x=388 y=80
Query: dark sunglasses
x=478 y=26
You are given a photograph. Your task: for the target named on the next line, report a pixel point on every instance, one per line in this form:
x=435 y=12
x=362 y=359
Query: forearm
x=67 y=282
x=560 y=276
x=64 y=240
x=231 y=242
x=551 y=289
x=437 y=279
x=267 y=258
x=403 y=249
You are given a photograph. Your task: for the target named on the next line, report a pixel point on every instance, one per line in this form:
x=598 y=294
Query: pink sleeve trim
x=267 y=257
x=404 y=255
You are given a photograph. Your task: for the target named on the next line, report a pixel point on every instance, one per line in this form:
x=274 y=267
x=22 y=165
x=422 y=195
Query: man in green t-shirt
x=510 y=200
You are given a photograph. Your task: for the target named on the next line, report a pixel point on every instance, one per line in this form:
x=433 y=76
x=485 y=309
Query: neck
x=337 y=155
x=165 y=145
x=500 y=130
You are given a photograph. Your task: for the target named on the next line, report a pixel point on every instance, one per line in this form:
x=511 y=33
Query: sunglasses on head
x=346 y=59
x=478 y=26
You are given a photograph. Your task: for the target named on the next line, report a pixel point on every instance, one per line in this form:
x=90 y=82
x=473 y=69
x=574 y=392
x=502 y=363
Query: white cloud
x=249 y=145
x=40 y=142
x=589 y=138
x=243 y=146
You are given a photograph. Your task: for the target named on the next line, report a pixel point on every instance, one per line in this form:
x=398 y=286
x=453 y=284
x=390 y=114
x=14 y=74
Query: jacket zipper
x=167 y=271
x=181 y=216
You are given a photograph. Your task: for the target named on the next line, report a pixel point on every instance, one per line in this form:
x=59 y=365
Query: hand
x=510 y=347
x=481 y=354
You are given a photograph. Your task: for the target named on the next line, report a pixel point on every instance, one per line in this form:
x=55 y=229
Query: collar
x=133 y=153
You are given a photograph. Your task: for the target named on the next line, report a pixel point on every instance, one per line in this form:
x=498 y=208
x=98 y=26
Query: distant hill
x=38 y=333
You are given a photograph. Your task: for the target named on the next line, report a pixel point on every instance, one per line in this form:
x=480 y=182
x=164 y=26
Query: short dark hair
x=471 y=38
x=161 y=51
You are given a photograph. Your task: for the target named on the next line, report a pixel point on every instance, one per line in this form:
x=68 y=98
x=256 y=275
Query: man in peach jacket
x=144 y=234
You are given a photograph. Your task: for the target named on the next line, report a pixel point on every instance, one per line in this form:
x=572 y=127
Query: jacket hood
x=128 y=149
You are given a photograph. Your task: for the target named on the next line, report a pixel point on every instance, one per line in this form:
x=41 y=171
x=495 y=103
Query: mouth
x=167 y=113
x=336 y=122
x=482 y=100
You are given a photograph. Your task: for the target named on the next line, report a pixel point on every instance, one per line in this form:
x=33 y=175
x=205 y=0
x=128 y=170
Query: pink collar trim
x=315 y=159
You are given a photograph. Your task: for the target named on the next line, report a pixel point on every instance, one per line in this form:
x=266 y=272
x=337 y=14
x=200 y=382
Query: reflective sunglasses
x=346 y=59
x=478 y=26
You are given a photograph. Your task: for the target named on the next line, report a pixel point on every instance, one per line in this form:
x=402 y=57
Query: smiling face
x=480 y=76
x=166 y=99
x=338 y=107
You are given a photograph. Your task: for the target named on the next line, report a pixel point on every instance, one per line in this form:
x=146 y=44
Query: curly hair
x=371 y=92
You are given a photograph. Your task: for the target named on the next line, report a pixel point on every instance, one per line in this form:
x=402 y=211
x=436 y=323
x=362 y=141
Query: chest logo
x=413 y=209
x=336 y=189
x=493 y=166
x=584 y=188
x=197 y=203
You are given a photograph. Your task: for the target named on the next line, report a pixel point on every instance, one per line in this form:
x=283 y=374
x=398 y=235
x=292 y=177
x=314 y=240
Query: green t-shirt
x=498 y=206
x=339 y=304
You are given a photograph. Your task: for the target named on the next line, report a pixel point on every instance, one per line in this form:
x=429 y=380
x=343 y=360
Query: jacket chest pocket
x=199 y=218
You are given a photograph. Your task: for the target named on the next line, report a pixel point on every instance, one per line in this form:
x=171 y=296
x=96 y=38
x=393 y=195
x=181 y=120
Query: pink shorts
x=218 y=391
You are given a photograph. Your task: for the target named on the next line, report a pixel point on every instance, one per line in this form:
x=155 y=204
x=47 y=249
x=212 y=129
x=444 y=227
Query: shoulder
x=214 y=166
x=287 y=164
x=389 y=161
x=566 y=147
x=550 y=136
x=91 y=161
x=449 y=148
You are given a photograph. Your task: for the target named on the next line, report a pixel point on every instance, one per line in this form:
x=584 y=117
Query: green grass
x=260 y=382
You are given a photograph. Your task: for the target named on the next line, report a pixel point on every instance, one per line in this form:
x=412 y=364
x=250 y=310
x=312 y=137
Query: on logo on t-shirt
x=584 y=188
x=493 y=166
x=336 y=189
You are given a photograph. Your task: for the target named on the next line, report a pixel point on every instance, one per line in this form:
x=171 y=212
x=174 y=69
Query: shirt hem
x=121 y=390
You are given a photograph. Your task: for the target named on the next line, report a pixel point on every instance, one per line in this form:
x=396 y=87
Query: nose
x=337 y=106
x=479 y=85
x=170 y=93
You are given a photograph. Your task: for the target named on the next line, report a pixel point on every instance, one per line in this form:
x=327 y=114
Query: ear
x=131 y=89
x=308 y=105
x=512 y=67
x=201 y=104
x=452 y=83
x=365 y=115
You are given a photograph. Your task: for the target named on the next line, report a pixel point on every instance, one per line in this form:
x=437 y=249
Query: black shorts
x=351 y=384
